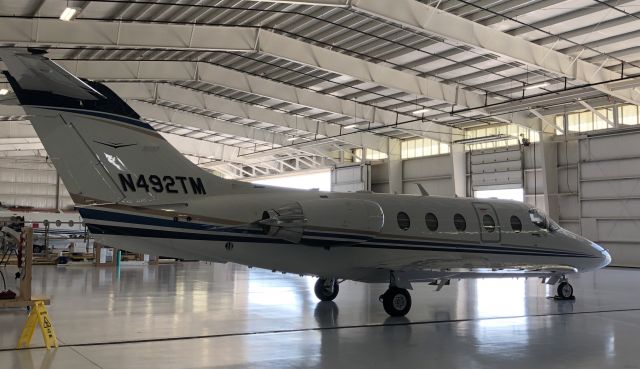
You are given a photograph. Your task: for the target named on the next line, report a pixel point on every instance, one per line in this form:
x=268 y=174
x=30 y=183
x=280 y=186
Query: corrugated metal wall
x=599 y=188
x=30 y=182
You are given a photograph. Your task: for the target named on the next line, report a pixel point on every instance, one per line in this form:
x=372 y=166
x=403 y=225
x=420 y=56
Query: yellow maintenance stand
x=38 y=314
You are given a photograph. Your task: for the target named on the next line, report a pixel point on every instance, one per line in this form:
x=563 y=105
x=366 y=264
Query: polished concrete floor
x=198 y=315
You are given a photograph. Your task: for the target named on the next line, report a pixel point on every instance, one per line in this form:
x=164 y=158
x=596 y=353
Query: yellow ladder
x=38 y=316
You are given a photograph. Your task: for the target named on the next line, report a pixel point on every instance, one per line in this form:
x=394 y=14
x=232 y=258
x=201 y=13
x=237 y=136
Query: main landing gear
x=326 y=289
x=396 y=300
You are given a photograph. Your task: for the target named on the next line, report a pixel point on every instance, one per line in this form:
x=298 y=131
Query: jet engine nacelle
x=325 y=221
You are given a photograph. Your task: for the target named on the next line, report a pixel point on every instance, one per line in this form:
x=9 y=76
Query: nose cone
x=606 y=258
x=603 y=255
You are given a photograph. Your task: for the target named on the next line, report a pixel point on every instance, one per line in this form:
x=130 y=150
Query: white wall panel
x=610 y=169
x=434 y=173
x=619 y=230
x=428 y=166
x=608 y=172
x=611 y=189
x=610 y=208
x=351 y=178
x=568 y=206
x=379 y=174
x=600 y=147
x=567 y=180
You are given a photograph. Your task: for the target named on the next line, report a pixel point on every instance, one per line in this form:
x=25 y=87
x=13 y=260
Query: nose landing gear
x=564 y=290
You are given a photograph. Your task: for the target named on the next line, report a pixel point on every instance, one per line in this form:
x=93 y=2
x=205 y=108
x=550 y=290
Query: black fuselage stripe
x=89 y=214
x=153 y=233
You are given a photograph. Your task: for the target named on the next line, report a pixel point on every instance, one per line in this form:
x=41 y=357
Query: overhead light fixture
x=420 y=112
x=351 y=126
x=3 y=91
x=68 y=14
x=539 y=85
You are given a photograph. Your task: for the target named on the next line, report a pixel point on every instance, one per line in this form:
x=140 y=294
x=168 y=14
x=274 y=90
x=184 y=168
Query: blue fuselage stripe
x=314 y=238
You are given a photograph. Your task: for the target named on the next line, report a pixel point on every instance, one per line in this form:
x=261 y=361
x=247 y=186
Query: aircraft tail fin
x=103 y=151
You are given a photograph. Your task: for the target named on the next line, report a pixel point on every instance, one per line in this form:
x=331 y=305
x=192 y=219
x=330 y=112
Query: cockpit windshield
x=541 y=220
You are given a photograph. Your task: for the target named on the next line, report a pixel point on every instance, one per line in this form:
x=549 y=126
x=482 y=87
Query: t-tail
x=103 y=151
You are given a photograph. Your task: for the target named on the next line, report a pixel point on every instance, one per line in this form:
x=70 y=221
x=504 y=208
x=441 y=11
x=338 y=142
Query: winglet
x=423 y=192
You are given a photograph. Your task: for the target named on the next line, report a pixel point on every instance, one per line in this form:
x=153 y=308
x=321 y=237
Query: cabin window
x=459 y=222
x=432 y=221
x=516 y=224
x=488 y=223
x=403 y=221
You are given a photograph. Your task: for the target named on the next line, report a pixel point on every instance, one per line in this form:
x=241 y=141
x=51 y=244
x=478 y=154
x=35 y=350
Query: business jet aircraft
x=135 y=191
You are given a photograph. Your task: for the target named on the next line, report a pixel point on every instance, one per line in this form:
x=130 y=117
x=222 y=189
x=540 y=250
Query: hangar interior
x=456 y=96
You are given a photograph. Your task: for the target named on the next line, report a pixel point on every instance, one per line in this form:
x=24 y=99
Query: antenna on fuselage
x=423 y=191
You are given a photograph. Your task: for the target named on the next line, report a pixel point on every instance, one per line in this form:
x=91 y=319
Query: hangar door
x=495 y=169
x=351 y=178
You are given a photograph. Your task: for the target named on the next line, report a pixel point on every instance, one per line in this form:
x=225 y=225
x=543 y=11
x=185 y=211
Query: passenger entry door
x=488 y=220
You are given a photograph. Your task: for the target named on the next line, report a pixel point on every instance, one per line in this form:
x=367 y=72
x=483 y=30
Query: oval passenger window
x=459 y=222
x=403 y=221
x=488 y=223
x=432 y=221
x=516 y=224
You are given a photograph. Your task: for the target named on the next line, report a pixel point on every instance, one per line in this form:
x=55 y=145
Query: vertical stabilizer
x=102 y=150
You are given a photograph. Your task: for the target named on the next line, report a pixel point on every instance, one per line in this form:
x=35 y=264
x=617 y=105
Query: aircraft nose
x=606 y=258
x=603 y=255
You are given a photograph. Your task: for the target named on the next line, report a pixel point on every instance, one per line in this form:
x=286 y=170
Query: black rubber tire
x=322 y=293
x=565 y=290
x=396 y=301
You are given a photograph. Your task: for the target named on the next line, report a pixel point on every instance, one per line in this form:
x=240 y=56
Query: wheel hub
x=327 y=290
x=399 y=302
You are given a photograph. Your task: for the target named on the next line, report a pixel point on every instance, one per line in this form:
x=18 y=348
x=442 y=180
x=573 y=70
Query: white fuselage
x=218 y=230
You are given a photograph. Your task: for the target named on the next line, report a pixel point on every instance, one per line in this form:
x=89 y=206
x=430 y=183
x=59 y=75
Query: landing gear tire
x=396 y=301
x=325 y=291
x=565 y=291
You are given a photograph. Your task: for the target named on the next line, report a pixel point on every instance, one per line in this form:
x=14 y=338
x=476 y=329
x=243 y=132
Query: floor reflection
x=470 y=324
x=44 y=358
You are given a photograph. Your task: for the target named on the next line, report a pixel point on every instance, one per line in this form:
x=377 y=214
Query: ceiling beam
x=187 y=119
x=204 y=72
x=424 y=18
x=79 y=33
x=212 y=103
x=220 y=76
